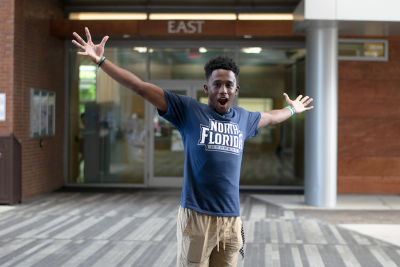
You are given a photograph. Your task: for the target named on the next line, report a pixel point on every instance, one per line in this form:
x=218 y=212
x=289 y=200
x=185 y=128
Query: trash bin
x=10 y=170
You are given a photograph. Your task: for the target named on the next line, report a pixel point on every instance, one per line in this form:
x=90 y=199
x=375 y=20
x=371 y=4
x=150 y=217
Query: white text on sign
x=191 y=26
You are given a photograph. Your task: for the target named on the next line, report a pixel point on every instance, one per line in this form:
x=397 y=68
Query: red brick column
x=6 y=61
x=31 y=58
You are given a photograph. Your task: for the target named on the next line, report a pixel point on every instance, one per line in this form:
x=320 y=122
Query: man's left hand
x=300 y=104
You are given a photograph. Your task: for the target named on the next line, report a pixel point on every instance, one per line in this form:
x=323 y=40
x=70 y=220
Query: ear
x=237 y=89
x=206 y=88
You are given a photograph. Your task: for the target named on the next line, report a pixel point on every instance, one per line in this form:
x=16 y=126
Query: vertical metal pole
x=293 y=122
x=321 y=122
x=235 y=102
x=148 y=126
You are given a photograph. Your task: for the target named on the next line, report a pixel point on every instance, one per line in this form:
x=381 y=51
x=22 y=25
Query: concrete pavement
x=138 y=228
x=376 y=216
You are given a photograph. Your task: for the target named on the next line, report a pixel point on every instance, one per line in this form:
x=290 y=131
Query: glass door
x=167 y=156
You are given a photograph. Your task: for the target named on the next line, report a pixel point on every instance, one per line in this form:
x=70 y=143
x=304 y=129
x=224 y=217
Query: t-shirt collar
x=226 y=115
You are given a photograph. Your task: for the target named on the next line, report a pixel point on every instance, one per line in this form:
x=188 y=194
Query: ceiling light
x=251 y=50
x=265 y=16
x=202 y=50
x=106 y=16
x=194 y=16
x=140 y=49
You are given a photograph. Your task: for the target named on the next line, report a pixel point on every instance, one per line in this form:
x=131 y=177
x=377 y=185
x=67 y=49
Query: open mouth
x=222 y=101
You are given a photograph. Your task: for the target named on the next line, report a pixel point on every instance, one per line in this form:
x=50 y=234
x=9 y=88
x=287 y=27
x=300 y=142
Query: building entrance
x=117 y=139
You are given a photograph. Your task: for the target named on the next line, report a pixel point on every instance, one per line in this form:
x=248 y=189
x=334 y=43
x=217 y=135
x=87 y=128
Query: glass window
x=365 y=50
x=182 y=63
x=87 y=83
x=107 y=121
x=107 y=129
x=265 y=74
x=169 y=155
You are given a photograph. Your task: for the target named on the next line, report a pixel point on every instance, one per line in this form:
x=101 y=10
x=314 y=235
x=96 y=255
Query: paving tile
x=70 y=229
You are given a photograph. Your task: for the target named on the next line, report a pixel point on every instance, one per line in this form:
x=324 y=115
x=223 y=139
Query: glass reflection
x=107 y=121
x=169 y=155
x=182 y=63
x=270 y=158
x=107 y=129
x=367 y=50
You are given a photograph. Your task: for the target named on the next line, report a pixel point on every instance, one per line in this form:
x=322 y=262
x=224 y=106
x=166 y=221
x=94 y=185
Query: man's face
x=221 y=89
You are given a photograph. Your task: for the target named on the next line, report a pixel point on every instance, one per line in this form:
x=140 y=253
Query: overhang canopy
x=356 y=17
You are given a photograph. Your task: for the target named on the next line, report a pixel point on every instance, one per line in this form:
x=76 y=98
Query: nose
x=223 y=89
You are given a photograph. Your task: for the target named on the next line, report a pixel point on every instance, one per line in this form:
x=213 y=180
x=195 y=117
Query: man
x=213 y=137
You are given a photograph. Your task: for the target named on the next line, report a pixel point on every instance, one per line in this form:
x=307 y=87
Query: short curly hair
x=221 y=62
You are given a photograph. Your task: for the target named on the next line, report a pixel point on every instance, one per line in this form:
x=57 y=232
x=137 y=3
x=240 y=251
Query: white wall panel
x=320 y=9
x=367 y=10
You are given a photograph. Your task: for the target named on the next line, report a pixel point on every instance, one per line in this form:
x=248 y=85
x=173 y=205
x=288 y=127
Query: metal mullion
x=67 y=64
x=237 y=58
x=148 y=137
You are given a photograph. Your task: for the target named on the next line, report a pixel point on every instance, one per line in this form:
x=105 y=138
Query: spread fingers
x=89 y=38
x=78 y=44
x=79 y=38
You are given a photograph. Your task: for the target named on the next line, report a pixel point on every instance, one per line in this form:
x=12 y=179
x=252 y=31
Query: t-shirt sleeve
x=252 y=124
x=177 y=109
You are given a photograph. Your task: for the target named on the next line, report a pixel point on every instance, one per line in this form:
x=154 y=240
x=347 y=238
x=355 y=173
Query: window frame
x=35 y=123
x=353 y=58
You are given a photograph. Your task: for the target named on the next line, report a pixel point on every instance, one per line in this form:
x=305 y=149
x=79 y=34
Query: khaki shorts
x=206 y=240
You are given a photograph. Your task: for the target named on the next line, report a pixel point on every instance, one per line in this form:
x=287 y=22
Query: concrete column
x=321 y=122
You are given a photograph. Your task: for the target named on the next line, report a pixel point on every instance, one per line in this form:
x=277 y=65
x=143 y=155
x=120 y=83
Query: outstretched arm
x=279 y=115
x=150 y=92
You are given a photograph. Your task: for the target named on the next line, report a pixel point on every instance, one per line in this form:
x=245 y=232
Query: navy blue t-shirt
x=213 y=153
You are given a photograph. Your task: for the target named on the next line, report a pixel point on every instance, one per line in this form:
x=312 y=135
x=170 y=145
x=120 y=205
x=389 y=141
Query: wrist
x=97 y=60
x=291 y=110
x=99 y=63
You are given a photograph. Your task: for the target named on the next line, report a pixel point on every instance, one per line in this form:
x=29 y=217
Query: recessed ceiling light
x=265 y=16
x=140 y=49
x=192 y=16
x=251 y=50
x=106 y=16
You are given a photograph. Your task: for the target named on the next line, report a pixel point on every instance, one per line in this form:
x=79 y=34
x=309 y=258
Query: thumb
x=103 y=42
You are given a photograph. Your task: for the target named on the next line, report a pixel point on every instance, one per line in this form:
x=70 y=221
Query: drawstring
x=217 y=236
x=223 y=218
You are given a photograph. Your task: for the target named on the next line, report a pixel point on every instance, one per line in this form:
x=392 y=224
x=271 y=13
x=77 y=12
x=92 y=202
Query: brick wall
x=38 y=63
x=369 y=125
x=6 y=61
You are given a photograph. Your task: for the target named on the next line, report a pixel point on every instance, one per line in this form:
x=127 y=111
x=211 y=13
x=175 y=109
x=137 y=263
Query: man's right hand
x=95 y=52
x=150 y=92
